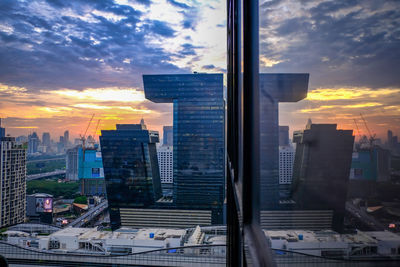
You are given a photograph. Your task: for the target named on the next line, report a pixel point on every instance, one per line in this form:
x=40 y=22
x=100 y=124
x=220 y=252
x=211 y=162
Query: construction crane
x=371 y=137
x=83 y=138
x=92 y=141
x=358 y=130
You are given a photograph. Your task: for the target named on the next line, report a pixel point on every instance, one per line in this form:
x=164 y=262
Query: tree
x=80 y=200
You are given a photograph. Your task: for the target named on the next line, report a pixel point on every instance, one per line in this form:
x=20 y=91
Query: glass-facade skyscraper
x=130 y=168
x=274 y=89
x=198 y=137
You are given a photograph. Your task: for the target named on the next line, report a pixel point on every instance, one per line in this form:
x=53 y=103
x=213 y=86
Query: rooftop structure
x=331 y=244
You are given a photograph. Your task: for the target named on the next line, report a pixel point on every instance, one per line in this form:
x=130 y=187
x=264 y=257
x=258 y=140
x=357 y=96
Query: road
x=50 y=159
x=43 y=175
x=364 y=217
x=88 y=216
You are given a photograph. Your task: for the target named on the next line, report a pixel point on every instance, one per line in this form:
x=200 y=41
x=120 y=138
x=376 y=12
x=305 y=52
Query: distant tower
x=66 y=138
x=2 y=131
x=309 y=122
x=389 y=139
x=168 y=136
x=46 y=139
x=33 y=143
x=144 y=127
x=283 y=135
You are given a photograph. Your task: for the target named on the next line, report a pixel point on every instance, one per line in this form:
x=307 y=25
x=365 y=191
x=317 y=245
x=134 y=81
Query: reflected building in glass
x=275 y=89
x=198 y=138
x=130 y=168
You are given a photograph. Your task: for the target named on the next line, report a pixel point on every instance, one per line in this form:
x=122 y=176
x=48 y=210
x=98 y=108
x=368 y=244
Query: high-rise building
x=168 y=136
x=389 y=139
x=130 y=169
x=2 y=131
x=283 y=135
x=165 y=163
x=286 y=160
x=66 y=139
x=13 y=182
x=321 y=170
x=274 y=89
x=91 y=172
x=72 y=163
x=46 y=139
x=371 y=164
x=33 y=143
x=198 y=138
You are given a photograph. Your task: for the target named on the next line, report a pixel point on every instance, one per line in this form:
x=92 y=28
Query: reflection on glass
x=334 y=184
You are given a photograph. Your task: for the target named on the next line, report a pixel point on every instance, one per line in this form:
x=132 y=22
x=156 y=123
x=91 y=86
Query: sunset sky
x=62 y=61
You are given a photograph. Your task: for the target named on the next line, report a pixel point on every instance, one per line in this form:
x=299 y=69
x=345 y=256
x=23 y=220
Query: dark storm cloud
x=341 y=43
x=78 y=44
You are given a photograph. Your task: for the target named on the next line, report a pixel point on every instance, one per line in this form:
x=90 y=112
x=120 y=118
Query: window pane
x=328 y=128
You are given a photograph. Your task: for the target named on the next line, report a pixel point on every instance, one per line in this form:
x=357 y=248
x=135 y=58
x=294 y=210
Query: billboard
x=44 y=204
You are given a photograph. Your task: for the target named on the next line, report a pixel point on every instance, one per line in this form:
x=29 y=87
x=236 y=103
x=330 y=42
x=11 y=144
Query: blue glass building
x=275 y=89
x=91 y=172
x=198 y=138
x=130 y=168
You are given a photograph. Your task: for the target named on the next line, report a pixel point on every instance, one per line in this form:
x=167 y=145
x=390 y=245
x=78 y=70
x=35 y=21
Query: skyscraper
x=198 y=137
x=13 y=182
x=130 y=168
x=33 y=143
x=286 y=160
x=66 y=138
x=321 y=170
x=168 y=135
x=72 y=164
x=283 y=135
x=274 y=89
x=165 y=163
x=46 y=139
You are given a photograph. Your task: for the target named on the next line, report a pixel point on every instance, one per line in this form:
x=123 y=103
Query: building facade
x=198 y=138
x=39 y=208
x=33 y=143
x=168 y=133
x=286 y=160
x=46 y=139
x=131 y=168
x=13 y=182
x=283 y=135
x=165 y=163
x=72 y=164
x=321 y=170
x=91 y=172
x=275 y=89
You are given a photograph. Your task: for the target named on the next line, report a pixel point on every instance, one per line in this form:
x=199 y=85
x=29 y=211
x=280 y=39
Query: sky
x=63 y=61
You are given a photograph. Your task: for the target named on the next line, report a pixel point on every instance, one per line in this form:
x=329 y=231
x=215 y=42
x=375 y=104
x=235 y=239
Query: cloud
x=351 y=43
x=178 y=4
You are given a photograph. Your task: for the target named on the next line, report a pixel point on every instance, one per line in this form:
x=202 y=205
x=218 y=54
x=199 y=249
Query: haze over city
x=61 y=62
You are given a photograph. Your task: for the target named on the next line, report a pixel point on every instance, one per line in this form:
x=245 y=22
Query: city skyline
x=108 y=46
